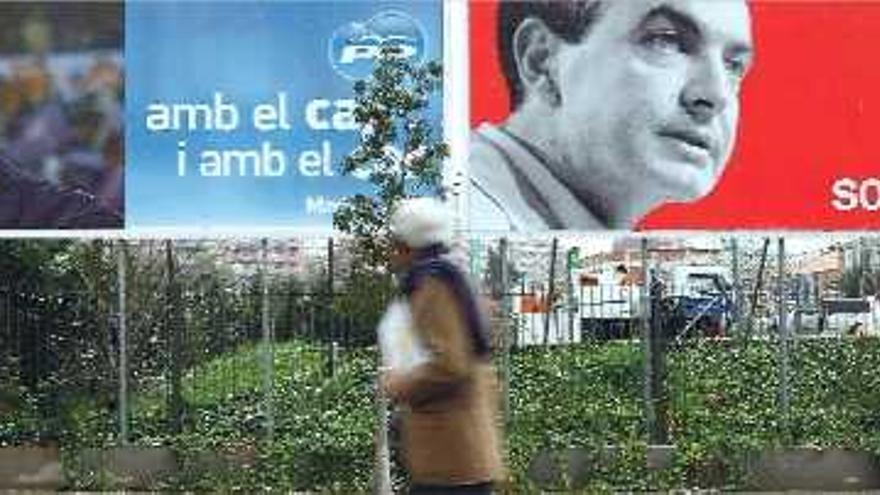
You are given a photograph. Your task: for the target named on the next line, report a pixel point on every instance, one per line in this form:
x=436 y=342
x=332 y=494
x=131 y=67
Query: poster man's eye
x=737 y=66
x=665 y=41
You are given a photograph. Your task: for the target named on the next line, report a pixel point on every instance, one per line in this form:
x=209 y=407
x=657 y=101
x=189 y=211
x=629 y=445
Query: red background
x=810 y=115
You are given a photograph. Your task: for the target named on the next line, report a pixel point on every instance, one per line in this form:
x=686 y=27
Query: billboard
x=788 y=86
x=241 y=112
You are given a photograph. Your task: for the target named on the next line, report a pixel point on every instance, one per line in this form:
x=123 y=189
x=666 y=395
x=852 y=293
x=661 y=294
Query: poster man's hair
x=569 y=19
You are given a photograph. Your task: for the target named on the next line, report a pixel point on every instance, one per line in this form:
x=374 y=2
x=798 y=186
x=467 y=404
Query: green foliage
x=363 y=304
x=581 y=396
x=323 y=429
x=50 y=343
x=29 y=261
x=725 y=400
x=241 y=372
x=325 y=442
x=723 y=407
x=398 y=153
x=91 y=423
x=20 y=421
x=836 y=394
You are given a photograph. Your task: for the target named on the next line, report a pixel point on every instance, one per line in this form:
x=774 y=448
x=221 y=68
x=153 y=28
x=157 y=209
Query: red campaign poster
x=808 y=128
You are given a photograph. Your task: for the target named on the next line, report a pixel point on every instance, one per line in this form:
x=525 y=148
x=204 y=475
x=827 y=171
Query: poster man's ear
x=536 y=48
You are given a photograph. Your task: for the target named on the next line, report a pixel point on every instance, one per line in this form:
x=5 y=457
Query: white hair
x=421 y=222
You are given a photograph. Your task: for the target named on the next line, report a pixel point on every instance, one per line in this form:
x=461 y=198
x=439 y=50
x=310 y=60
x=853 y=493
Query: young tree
x=401 y=156
x=399 y=152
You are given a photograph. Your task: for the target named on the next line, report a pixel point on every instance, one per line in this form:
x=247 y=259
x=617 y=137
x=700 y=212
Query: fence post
x=551 y=291
x=382 y=449
x=174 y=327
x=123 y=345
x=737 y=283
x=785 y=346
x=647 y=346
x=333 y=321
x=505 y=328
x=570 y=304
x=862 y=264
x=330 y=252
x=797 y=312
x=333 y=358
x=267 y=353
x=382 y=468
x=759 y=282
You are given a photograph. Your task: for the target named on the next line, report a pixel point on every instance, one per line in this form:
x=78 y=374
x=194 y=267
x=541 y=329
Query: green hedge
x=579 y=396
x=726 y=399
x=723 y=405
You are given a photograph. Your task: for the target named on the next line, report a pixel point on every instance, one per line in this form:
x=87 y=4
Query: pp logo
x=355 y=46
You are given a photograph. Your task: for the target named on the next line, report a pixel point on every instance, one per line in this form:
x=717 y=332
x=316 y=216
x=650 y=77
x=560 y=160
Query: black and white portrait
x=616 y=108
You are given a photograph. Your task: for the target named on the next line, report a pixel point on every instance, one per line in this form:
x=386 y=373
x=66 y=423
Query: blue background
x=186 y=51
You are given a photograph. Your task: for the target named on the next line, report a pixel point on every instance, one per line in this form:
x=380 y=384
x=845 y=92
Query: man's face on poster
x=649 y=98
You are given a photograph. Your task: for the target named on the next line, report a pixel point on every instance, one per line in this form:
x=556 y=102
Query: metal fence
x=711 y=286
x=147 y=324
x=145 y=338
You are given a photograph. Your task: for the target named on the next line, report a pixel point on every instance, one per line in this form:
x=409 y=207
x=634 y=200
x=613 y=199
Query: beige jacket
x=450 y=427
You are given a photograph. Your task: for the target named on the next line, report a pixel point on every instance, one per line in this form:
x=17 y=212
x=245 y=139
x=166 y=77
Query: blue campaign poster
x=240 y=113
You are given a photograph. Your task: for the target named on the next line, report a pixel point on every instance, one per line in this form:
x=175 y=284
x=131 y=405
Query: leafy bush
x=20 y=420
x=723 y=406
x=580 y=396
x=323 y=425
x=836 y=394
x=726 y=400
